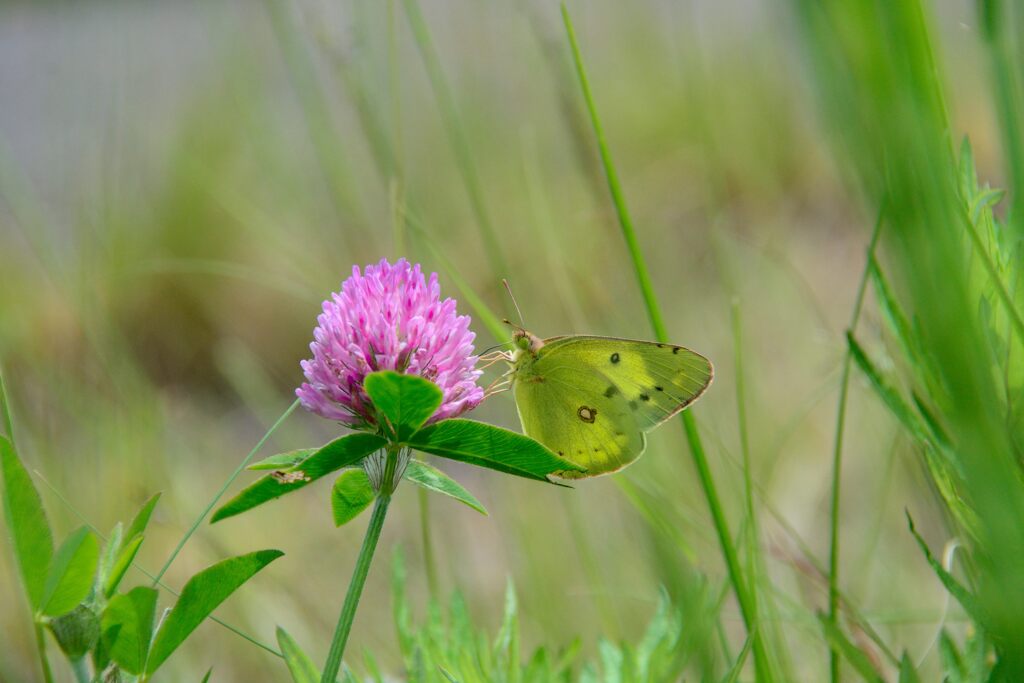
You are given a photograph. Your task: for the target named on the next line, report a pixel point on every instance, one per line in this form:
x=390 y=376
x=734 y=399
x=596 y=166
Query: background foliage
x=182 y=183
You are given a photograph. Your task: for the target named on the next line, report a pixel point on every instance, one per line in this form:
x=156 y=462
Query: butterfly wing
x=566 y=406
x=656 y=380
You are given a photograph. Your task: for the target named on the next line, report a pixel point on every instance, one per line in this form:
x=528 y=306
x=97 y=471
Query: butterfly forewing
x=655 y=380
x=569 y=409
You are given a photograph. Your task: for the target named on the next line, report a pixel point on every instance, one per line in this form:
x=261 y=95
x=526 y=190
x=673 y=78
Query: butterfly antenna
x=515 y=303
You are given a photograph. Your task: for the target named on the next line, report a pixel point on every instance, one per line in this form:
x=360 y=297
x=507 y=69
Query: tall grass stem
x=222 y=490
x=355 y=587
x=657 y=322
x=837 y=452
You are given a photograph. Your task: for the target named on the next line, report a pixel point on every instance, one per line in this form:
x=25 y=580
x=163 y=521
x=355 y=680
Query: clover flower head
x=388 y=317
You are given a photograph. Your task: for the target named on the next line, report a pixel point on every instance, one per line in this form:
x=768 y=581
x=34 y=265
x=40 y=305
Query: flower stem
x=41 y=647
x=355 y=588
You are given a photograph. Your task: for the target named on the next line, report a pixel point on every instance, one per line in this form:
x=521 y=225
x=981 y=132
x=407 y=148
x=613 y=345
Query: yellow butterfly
x=592 y=399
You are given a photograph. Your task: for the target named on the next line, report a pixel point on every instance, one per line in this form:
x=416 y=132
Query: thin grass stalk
x=747 y=609
x=223 y=488
x=324 y=137
x=456 y=136
x=837 y=453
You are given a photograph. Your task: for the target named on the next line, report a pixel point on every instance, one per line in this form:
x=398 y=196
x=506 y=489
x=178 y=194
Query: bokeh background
x=181 y=184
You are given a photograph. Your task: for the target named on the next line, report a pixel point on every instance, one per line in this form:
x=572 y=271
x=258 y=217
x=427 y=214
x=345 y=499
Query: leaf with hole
x=343 y=452
x=283 y=461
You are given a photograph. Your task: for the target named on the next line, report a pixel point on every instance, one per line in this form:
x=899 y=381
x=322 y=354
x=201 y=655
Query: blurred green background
x=181 y=184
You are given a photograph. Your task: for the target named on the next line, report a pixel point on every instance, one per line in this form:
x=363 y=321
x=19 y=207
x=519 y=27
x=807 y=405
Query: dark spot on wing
x=597 y=450
x=611 y=391
x=632 y=405
x=561 y=452
x=615 y=357
x=660 y=345
x=645 y=397
x=675 y=349
x=659 y=388
x=587 y=414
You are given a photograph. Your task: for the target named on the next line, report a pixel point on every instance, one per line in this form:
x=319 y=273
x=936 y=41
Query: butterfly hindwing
x=577 y=412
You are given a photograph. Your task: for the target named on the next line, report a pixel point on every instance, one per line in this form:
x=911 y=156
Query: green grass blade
x=736 y=578
x=224 y=487
x=837 y=450
x=457 y=136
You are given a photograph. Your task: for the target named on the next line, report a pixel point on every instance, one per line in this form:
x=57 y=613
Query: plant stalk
x=224 y=487
x=362 y=569
x=747 y=607
x=41 y=648
x=837 y=455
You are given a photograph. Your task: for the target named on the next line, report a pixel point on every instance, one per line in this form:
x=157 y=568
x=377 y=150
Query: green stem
x=355 y=587
x=41 y=648
x=223 y=488
x=456 y=135
x=80 y=667
x=657 y=322
x=837 y=455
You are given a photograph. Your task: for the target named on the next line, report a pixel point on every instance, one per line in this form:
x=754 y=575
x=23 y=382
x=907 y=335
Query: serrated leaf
x=124 y=560
x=141 y=519
x=70 y=575
x=433 y=479
x=127 y=627
x=200 y=596
x=26 y=521
x=492 y=447
x=351 y=494
x=343 y=452
x=299 y=664
x=283 y=460
x=860 y=662
x=407 y=401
